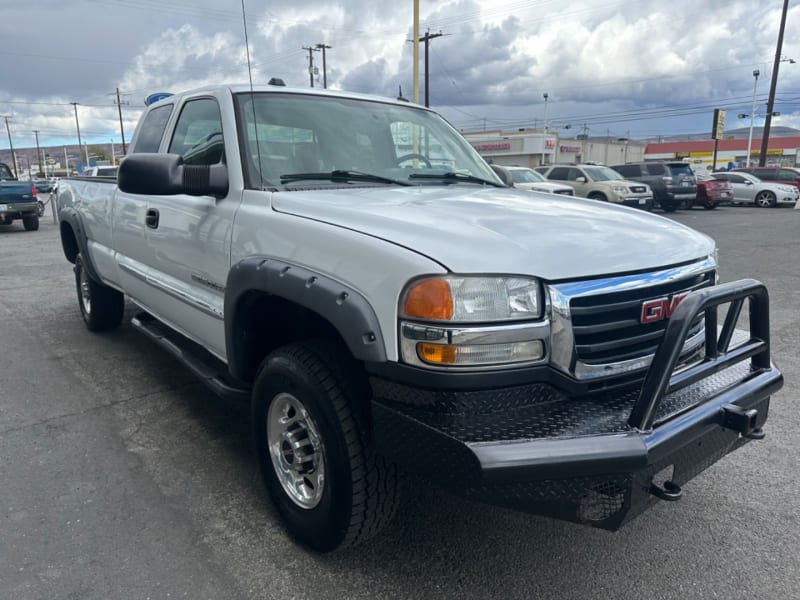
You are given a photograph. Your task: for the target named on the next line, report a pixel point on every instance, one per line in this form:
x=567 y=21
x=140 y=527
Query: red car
x=711 y=192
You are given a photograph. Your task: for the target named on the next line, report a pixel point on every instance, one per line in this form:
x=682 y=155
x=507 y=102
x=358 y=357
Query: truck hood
x=470 y=229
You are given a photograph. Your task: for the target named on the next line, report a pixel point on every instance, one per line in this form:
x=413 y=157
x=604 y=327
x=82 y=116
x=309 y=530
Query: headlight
x=472 y=299
x=620 y=189
x=785 y=188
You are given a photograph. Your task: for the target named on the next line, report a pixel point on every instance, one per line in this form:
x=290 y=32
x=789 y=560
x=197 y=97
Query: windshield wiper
x=340 y=175
x=454 y=176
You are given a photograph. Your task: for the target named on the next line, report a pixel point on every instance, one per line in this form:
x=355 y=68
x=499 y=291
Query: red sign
x=492 y=146
x=550 y=143
x=570 y=148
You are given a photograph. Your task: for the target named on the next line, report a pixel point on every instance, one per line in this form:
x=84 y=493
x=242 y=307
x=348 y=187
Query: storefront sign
x=549 y=143
x=570 y=149
x=493 y=146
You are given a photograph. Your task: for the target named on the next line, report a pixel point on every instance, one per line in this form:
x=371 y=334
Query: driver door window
x=198 y=133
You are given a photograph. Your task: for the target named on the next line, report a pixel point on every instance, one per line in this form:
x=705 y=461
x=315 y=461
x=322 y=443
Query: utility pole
x=38 y=151
x=78 y=126
x=427 y=38
x=762 y=160
x=10 y=145
x=324 y=47
x=121 y=129
x=415 y=53
x=311 y=51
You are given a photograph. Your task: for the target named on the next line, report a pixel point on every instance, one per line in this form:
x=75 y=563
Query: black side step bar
x=201 y=363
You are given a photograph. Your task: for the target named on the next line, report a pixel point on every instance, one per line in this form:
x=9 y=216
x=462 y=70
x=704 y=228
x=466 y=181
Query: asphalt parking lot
x=122 y=477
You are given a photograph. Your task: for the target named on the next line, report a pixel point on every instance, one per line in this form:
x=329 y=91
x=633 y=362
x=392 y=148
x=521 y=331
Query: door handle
x=151 y=218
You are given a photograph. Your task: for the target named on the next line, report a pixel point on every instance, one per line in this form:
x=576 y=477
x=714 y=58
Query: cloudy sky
x=640 y=68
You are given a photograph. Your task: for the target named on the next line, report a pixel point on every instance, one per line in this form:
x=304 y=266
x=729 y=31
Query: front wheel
x=330 y=488
x=766 y=199
x=101 y=307
x=710 y=205
x=597 y=196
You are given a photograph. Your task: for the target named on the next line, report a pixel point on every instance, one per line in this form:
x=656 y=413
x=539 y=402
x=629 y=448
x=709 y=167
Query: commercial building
x=526 y=148
x=782 y=151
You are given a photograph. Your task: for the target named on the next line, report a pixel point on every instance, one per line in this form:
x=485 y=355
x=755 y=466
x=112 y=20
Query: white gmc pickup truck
x=353 y=269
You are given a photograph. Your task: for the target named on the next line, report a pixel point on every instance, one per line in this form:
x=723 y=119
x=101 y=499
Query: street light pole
x=78 y=126
x=39 y=152
x=756 y=73
x=544 y=137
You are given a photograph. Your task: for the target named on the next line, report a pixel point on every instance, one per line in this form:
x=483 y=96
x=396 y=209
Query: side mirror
x=165 y=175
x=503 y=174
x=748 y=182
x=580 y=179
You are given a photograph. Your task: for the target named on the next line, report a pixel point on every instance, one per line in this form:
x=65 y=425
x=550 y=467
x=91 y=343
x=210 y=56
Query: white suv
x=601 y=183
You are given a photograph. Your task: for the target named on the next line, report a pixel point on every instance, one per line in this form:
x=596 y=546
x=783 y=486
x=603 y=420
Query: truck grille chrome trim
x=596 y=332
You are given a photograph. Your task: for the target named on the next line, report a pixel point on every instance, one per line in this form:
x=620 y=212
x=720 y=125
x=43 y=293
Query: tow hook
x=742 y=420
x=671 y=491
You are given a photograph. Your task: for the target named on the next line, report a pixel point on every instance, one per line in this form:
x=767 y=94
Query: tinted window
x=656 y=169
x=680 y=169
x=525 y=176
x=787 y=175
x=152 y=129
x=5 y=172
x=559 y=173
x=766 y=173
x=198 y=133
x=628 y=170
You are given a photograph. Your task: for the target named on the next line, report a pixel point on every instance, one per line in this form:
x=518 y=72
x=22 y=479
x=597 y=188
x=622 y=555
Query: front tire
x=766 y=199
x=330 y=488
x=30 y=223
x=597 y=196
x=101 y=306
x=710 y=205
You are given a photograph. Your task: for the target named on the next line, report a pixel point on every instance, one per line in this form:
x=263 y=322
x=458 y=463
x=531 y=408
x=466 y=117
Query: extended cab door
x=190 y=236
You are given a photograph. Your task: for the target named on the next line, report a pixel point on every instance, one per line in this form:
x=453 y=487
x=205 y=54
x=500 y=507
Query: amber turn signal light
x=429 y=299
x=437 y=354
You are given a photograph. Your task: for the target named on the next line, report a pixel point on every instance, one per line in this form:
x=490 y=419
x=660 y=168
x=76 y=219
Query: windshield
x=292 y=134
x=526 y=176
x=602 y=174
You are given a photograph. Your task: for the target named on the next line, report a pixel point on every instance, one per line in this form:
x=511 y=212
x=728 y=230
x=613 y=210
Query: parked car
x=100 y=172
x=601 y=183
x=17 y=200
x=749 y=189
x=712 y=191
x=782 y=175
x=673 y=183
x=524 y=178
x=43 y=186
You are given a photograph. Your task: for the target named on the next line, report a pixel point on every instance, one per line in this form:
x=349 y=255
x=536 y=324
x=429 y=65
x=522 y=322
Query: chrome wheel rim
x=763 y=200
x=86 y=298
x=296 y=450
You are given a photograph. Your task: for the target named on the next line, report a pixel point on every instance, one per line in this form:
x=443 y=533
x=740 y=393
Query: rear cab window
x=148 y=137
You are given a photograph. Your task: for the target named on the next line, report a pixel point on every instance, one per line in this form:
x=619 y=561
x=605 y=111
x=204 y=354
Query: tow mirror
x=166 y=174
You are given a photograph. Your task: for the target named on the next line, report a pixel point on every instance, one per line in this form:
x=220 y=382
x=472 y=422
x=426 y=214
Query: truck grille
x=607 y=327
x=638 y=189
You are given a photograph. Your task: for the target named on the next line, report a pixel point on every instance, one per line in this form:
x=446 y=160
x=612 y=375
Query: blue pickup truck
x=17 y=200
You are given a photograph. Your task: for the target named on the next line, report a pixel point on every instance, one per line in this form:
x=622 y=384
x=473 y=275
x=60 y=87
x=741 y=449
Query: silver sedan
x=748 y=189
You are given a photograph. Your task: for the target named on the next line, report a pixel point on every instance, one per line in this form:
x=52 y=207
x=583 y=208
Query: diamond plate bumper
x=599 y=459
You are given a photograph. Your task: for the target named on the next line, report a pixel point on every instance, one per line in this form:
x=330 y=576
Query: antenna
x=252 y=96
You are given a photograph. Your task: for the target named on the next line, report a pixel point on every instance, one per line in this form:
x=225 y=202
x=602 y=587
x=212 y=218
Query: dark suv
x=784 y=175
x=673 y=183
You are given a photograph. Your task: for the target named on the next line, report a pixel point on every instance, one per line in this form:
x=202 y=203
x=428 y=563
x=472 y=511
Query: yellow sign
x=704 y=153
x=718 y=124
x=775 y=152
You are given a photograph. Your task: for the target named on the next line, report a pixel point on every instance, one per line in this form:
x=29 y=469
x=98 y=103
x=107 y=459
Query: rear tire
x=30 y=223
x=669 y=206
x=710 y=205
x=101 y=306
x=319 y=467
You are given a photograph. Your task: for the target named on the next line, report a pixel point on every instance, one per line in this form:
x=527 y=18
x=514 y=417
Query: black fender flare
x=347 y=310
x=74 y=220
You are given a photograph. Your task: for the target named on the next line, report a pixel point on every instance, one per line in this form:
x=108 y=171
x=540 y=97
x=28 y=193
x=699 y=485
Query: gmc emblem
x=660 y=308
